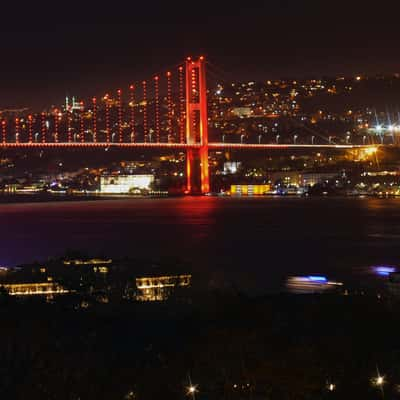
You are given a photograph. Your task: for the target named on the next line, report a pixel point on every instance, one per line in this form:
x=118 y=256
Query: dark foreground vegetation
x=232 y=347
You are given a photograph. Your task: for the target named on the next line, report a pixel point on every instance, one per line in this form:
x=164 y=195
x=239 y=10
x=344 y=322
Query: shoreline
x=6 y=198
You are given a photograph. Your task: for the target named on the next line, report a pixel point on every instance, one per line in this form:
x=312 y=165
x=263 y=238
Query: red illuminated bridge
x=168 y=114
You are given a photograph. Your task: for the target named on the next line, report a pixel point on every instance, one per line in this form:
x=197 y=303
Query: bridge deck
x=183 y=146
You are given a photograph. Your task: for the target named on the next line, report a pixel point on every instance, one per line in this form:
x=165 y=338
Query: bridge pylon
x=197 y=168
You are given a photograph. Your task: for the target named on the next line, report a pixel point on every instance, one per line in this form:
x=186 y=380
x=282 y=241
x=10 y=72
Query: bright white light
x=124 y=183
x=370 y=150
x=378 y=128
x=192 y=390
x=379 y=380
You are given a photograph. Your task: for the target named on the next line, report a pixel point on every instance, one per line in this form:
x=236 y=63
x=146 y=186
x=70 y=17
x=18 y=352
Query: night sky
x=88 y=48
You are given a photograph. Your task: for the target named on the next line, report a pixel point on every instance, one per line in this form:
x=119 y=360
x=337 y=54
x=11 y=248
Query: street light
x=295 y=139
x=331 y=387
x=259 y=139
x=364 y=139
x=277 y=138
x=191 y=391
x=241 y=138
x=223 y=138
x=330 y=139
x=379 y=381
x=312 y=139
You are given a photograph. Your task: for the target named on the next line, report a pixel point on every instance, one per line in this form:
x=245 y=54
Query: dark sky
x=86 y=48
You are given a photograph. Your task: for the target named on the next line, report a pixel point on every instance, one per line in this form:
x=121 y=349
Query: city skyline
x=95 y=49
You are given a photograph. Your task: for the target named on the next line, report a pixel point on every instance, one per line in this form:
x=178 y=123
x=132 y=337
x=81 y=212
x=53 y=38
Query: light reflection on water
x=253 y=242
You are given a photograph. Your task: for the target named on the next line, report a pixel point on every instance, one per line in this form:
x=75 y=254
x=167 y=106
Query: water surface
x=253 y=242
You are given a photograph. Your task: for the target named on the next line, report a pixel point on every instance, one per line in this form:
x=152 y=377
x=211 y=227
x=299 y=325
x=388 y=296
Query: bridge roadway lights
x=184 y=146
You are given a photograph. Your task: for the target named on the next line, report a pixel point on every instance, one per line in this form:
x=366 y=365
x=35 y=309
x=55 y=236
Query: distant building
x=231 y=167
x=286 y=178
x=125 y=183
x=47 y=289
x=298 y=178
x=313 y=178
x=249 y=190
x=97 y=265
x=242 y=112
x=74 y=105
x=160 y=288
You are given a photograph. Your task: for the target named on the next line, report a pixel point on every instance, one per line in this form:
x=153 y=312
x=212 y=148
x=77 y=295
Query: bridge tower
x=197 y=169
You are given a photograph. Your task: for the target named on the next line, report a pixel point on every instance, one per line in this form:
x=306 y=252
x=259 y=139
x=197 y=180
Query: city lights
x=221 y=224
x=191 y=391
x=378 y=381
x=331 y=387
x=370 y=150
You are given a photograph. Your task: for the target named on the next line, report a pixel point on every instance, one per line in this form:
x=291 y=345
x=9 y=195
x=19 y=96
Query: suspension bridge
x=169 y=111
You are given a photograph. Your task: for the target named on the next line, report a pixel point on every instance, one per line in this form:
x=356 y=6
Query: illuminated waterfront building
x=47 y=289
x=249 y=190
x=160 y=288
x=231 y=167
x=125 y=183
x=95 y=264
